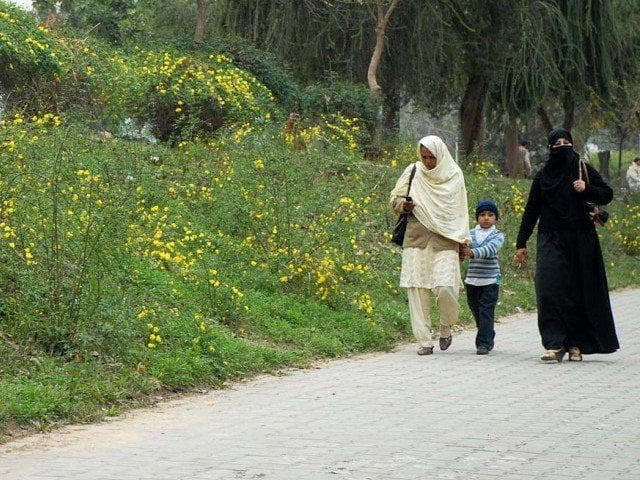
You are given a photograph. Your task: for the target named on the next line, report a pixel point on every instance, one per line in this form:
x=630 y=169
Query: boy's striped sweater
x=484 y=268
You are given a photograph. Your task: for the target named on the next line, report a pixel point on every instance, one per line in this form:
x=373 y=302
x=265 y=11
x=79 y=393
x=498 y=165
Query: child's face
x=486 y=219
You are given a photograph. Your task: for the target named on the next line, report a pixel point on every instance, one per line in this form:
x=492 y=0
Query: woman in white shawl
x=438 y=225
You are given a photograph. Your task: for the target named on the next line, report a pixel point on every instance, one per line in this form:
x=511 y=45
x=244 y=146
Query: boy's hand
x=465 y=251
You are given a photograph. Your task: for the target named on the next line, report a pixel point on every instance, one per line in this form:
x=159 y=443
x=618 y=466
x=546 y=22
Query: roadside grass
x=130 y=269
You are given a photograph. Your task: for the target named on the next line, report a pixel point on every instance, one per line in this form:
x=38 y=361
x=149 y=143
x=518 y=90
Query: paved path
x=453 y=415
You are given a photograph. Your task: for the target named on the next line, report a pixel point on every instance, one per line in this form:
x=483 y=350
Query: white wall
x=22 y=3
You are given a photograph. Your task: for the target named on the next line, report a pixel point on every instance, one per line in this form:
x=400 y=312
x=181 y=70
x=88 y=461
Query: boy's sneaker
x=482 y=351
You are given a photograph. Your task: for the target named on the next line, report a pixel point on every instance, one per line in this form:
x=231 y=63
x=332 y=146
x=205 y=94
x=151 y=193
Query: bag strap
x=582 y=165
x=413 y=174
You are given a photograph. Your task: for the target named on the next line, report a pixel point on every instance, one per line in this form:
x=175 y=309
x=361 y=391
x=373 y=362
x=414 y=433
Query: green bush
x=182 y=96
x=266 y=68
x=349 y=99
x=26 y=53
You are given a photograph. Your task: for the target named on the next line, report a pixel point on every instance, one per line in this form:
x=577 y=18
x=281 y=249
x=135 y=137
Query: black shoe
x=482 y=351
x=445 y=342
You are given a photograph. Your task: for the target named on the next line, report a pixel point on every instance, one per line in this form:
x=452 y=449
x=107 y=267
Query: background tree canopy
x=496 y=62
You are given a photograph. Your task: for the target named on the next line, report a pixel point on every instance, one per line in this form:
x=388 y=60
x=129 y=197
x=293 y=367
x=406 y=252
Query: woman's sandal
x=553 y=355
x=574 y=354
x=425 y=351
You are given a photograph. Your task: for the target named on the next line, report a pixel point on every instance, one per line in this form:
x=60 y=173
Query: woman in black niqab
x=574 y=312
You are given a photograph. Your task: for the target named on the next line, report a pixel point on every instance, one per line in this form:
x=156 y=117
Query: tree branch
x=383 y=20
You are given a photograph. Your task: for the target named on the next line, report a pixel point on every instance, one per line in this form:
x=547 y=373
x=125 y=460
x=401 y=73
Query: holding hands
x=464 y=251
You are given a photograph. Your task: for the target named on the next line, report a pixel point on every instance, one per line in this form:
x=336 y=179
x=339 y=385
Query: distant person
x=633 y=175
x=524 y=160
x=438 y=226
x=574 y=312
x=483 y=277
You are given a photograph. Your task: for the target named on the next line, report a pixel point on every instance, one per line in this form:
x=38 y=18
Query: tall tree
x=486 y=30
x=416 y=60
x=201 y=22
x=381 y=25
x=568 y=51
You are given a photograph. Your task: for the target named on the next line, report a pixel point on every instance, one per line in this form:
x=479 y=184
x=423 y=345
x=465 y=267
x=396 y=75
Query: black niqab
x=561 y=165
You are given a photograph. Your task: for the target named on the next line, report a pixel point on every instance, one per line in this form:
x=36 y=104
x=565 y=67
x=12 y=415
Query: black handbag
x=597 y=213
x=401 y=225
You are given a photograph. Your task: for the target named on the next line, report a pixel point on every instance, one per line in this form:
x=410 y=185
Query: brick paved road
x=393 y=416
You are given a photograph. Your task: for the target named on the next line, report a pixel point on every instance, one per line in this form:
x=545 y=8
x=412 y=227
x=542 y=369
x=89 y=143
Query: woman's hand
x=408 y=205
x=521 y=256
x=579 y=186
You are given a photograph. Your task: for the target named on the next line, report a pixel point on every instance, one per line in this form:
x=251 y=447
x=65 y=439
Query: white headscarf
x=439 y=194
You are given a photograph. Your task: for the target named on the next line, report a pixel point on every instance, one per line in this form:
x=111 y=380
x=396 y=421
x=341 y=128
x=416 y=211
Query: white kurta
x=437 y=265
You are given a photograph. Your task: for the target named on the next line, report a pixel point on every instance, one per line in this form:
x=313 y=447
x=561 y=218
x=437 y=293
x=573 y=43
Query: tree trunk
x=544 y=119
x=568 y=105
x=391 y=111
x=621 y=146
x=472 y=112
x=603 y=158
x=381 y=26
x=201 y=22
x=515 y=167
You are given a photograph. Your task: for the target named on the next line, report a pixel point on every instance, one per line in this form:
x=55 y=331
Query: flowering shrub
x=339 y=97
x=56 y=213
x=182 y=96
x=625 y=227
x=25 y=49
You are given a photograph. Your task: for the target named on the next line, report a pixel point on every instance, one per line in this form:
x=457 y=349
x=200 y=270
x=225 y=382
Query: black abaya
x=571 y=283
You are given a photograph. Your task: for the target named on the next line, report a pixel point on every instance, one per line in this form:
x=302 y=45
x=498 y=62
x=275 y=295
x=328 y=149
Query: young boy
x=483 y=277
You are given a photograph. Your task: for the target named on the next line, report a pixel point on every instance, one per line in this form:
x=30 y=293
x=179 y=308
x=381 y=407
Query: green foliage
x=181 y=95
x=349 y=99
x=568 y=49
x=265 y=67
x=25 y=51
x=160 y=24
x=101 y=17
x=169 y=268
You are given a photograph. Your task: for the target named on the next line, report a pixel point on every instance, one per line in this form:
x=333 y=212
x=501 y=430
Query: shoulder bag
x=597 y=213
x=401 y=225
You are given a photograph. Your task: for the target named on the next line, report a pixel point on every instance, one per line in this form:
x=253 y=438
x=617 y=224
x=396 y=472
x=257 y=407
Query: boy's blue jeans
x=482 y=302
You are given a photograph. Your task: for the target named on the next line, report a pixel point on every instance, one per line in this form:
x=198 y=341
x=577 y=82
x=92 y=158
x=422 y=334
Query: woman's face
x=561 y=142
x=428 y=159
